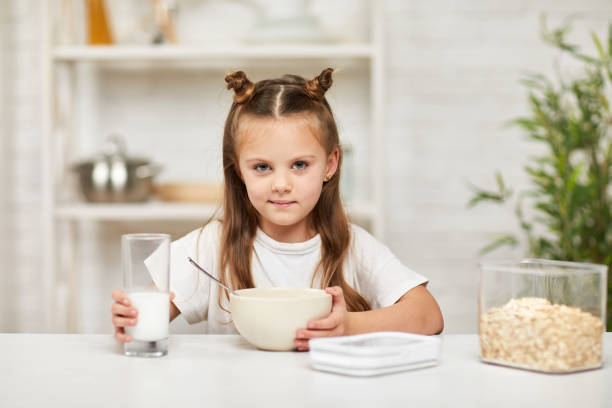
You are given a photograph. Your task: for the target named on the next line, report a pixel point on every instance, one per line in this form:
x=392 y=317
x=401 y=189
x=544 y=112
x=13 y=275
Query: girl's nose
x=281 y=188
x=281 y=184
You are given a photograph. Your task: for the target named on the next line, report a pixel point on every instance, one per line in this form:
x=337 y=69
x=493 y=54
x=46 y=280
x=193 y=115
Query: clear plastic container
x=542 y=315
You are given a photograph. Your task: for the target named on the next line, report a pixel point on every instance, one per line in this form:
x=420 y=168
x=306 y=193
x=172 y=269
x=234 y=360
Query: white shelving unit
x=61 y=218
x=187 y=53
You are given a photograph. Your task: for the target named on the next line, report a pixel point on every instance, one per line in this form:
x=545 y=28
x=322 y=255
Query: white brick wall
x=20 y=207
x=453 y=70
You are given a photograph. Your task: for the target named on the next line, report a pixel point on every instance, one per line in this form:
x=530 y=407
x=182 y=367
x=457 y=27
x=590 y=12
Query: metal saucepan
x=112 y=177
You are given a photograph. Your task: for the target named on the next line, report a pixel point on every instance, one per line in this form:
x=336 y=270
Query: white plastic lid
x=374 y=353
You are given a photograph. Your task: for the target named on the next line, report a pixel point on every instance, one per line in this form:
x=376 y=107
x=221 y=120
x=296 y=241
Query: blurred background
x=421 y=97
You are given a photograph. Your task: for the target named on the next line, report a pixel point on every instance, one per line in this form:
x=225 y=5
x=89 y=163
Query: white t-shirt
x=370 y=268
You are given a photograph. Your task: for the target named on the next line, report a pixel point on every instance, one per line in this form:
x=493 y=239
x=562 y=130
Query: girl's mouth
x=281 y=203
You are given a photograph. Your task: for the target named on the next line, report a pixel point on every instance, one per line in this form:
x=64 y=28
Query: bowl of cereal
x=542 y=315
x=269 y=318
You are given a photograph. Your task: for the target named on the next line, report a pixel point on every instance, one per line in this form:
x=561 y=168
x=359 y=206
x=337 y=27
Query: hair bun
x=243 y=88
x=316 y=88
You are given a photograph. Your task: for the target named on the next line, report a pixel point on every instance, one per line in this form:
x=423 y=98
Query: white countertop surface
x=42 y=370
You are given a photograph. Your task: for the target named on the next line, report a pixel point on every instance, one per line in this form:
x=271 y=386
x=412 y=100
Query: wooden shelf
x=194 y=53
x=154 y=210
x=157 y=210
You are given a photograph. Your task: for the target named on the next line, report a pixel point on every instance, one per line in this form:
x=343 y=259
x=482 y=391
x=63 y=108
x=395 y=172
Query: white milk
x=153 y=316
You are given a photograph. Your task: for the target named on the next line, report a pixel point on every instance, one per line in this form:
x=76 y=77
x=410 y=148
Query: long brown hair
x=275 y=98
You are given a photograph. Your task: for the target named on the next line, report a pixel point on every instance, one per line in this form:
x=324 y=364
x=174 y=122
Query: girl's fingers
x=120 y=297
x=121 y=336
x=329 y=326
x=123 y=315
x=123 y=311
x=332 y=321
x=303 y=336
x=301 y=345
x=337 y=296
x=123 y=321
x=313 y=334
x=117 y=294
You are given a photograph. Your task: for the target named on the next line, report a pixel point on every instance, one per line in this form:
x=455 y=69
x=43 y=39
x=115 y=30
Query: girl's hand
x=334 y=324
x=124 y=315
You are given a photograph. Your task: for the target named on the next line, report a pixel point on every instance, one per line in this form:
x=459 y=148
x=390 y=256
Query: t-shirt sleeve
x=381 y=278
x=191 y=290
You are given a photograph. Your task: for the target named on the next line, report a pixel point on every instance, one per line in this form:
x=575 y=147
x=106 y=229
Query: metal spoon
x=209 y=275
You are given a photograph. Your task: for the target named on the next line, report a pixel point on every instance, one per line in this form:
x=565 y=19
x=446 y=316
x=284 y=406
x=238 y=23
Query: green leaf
x=600 y=49
x=504 y=240
x=485 y=196
x=556 y=38
x=571 y=183
x=500 y=183
x=527 y=124
x=549 y=209
x=536 y=81
x=610 y=39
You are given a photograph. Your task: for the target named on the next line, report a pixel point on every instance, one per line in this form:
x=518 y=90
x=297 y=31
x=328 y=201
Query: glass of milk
x=145 y=263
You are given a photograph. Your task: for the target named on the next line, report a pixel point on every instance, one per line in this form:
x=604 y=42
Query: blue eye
x=261 y=167
x=300 y=165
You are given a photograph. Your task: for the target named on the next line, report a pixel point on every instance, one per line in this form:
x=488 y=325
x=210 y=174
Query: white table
x=40 y=370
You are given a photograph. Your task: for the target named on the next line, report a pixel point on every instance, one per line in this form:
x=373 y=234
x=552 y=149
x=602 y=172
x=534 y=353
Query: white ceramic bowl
x=268 y=318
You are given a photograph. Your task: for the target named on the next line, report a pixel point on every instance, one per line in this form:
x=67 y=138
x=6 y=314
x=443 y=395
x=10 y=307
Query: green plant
x=570 y=193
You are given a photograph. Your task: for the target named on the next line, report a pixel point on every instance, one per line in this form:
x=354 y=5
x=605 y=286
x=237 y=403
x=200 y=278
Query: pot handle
x=148 y=170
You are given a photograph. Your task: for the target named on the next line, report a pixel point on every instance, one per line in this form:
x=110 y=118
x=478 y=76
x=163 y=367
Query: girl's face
x=283 y=165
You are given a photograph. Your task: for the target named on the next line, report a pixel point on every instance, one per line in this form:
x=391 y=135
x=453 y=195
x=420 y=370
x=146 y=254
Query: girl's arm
x=415 y=312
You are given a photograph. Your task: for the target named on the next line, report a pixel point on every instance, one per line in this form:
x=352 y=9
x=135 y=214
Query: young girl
x=284 y=225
